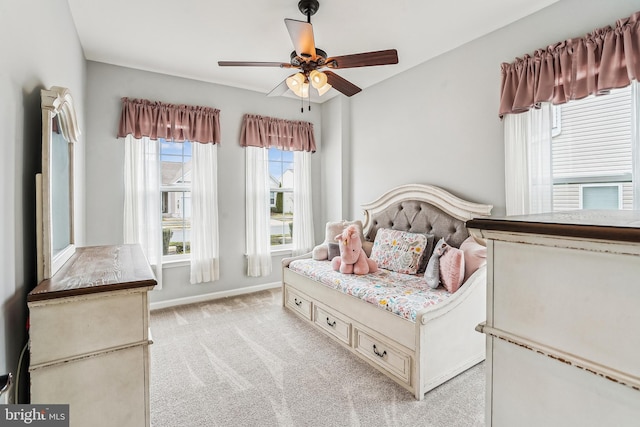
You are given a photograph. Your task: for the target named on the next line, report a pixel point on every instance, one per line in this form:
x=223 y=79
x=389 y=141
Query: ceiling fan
x=309 y=60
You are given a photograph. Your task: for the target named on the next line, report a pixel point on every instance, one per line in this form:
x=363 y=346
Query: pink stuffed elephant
x=352 y=259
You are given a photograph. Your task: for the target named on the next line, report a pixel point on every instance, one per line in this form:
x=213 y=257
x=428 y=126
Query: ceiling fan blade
x=340 y=84
x=253 y=64
x=280 y=89
x=301 y=34
x=366 y=59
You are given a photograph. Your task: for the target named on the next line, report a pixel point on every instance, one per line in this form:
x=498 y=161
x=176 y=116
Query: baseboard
x=441 y=379
x=212 y=296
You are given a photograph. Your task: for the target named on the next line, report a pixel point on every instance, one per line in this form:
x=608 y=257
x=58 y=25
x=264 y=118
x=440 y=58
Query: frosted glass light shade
x=319 y=81
x=324 y=89
x=297 y=85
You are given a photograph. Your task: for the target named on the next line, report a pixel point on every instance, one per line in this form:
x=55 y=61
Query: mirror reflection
x=60 y=190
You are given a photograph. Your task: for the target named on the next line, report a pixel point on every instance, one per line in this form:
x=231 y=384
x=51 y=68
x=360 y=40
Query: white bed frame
x=419 y=356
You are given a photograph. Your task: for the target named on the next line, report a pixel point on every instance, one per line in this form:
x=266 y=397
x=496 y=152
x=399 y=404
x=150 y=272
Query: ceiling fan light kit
x=309 y=60
x=298 y=85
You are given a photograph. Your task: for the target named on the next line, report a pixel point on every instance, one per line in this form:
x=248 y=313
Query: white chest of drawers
x=563 y=318
x=89 y=337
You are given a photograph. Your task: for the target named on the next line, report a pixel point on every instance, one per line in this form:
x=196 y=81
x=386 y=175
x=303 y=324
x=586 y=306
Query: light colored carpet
x=246 y=361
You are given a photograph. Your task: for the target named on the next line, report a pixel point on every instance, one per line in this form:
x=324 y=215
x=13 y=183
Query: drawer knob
x=332 y=324
x=296 y=302
x=375 y=350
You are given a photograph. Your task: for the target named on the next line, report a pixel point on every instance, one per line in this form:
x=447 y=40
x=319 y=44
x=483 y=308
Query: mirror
x=54 y=186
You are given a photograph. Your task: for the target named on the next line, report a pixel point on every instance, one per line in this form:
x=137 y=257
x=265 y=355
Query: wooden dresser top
x=617 y=225
x=94 y=269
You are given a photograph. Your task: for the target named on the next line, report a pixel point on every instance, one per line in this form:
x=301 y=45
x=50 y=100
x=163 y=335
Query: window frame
x=183 y=187
x=282 y=247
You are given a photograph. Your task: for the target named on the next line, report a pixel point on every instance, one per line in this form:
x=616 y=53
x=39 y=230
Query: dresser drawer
x=298 y=303
x=388 y=357
x=64 y=328
x=334 y=324
x=108 y=389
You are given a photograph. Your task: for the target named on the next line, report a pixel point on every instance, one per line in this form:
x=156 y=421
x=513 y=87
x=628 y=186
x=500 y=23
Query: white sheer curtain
x=257 y=212
x=142 y=213
x=205 y=263
x=528 y=173
x=303 y=236
x=635 y=142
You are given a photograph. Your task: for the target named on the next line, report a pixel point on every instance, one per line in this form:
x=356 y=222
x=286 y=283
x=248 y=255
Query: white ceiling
x=187 y=38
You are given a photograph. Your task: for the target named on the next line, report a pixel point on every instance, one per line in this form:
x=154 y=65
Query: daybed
x=418 y=337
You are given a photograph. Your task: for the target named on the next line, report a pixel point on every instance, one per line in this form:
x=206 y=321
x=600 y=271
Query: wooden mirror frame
x=56 y=103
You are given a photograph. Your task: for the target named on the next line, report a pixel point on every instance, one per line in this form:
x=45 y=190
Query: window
x=175 y=188
x=281 y=197
x=601 y=196
x=592 y=152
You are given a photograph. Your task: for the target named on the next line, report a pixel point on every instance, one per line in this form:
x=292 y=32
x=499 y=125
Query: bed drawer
x=298 y=303
x=334 y=324
x=389 y=358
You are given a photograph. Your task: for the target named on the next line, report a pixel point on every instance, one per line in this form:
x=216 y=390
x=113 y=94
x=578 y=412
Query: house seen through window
x=281 y=197
x=175 y=187
x=591 y=152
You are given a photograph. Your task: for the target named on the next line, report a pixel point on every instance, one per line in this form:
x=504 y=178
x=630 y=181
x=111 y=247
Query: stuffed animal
x=352 y=259
x=321 y=251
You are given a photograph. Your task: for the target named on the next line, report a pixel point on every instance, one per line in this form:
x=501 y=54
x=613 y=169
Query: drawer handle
x=375 y=350
x=332 y=324
x=296 y=302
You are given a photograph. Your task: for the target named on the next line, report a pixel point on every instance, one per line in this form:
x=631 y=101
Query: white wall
x=39 y=49
x=107 y=84
x=335 y=160
x=437 y=123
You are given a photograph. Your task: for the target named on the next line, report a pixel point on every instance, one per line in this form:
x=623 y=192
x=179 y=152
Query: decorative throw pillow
x=334 y=250
x=399 y=251
x=475 y=256
x=432 y=272
x=452 y=268
x=426 y=256
x=367 y=246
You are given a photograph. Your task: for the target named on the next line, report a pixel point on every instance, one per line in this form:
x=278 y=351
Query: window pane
x=175 y=158
x=287 y=156
x=176 y=223
x=600 y=197
x=287 y=175
x=281 y=196
x=281 y=230
x=275 y=154
x=175 y=166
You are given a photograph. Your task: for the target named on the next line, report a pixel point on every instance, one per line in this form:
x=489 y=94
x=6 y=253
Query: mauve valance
x=140 y=117
x=261 y=131
x=605 y=59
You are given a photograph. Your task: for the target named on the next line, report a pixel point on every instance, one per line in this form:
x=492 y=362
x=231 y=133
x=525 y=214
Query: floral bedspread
x=401 y=294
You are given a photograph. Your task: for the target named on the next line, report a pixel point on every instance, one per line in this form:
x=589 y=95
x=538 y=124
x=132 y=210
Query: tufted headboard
x=422 y=208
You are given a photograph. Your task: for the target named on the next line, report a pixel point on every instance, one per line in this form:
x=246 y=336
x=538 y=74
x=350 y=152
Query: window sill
x=278 y=252
x=175 y=263
x=282 y=252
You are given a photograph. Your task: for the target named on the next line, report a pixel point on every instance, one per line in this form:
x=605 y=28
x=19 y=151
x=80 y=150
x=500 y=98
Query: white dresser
x=89 y=337
x=563 y=319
